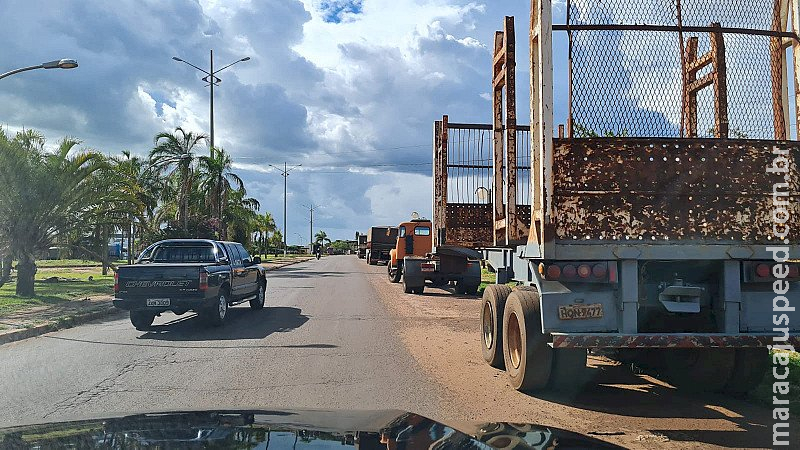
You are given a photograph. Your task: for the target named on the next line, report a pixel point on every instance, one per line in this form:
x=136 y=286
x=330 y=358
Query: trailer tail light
x=761 y=272
x=116 y=282
x=599 y=272
x=203 y=280
x=553 y=272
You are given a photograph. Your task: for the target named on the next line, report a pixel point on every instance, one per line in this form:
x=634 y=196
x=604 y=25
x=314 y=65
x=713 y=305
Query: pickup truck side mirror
x=224 y=261
x=257 y=260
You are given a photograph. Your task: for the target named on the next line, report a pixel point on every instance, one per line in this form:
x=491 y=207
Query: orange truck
x=416 y=263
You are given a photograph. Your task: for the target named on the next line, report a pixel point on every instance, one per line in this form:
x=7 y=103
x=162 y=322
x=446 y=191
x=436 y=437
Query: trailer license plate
x=157 y=302
x=580 y=312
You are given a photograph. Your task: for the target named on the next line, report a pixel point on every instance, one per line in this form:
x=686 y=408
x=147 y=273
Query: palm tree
x=241 y=215
x=217 y=180
x=264 y=226
x=321 y=238
x=45 y=194
x=142 y=184
x=174 y=154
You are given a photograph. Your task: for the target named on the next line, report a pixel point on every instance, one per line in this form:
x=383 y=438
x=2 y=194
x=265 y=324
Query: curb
x=79 y=319
x=58 y=324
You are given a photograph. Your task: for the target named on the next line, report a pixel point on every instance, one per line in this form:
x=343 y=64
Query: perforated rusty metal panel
x=659 y=190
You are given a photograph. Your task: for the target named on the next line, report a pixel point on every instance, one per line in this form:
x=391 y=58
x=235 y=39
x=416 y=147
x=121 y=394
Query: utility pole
x=213 y=80
x=311 y=209
x=285 y=174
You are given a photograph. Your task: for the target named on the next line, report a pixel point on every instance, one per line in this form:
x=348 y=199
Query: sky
x=347 y=88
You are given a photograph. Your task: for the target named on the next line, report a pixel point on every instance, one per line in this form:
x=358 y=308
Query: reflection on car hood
x=385 y=430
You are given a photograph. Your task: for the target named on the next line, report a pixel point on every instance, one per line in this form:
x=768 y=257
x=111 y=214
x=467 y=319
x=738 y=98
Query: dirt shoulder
x=441 y=332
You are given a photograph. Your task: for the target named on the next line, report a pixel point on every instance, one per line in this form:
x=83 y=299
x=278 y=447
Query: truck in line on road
x=182 y=275
x=361 y=248
x=659 y=250
x=417 y=263
x=380 y=241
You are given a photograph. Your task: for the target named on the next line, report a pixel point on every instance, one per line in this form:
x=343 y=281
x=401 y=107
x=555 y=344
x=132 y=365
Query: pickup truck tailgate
x=158 y=280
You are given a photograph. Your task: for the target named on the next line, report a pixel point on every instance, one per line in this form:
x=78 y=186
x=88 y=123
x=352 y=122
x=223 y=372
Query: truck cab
x=413 y=239
x=417 y=263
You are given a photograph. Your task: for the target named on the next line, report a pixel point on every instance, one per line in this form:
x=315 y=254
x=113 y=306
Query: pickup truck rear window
x=183 y=254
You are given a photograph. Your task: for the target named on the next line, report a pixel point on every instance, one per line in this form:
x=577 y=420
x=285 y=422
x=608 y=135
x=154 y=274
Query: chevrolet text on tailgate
x=183 y=275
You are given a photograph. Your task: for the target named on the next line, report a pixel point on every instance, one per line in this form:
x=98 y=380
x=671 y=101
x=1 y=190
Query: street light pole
x=285 y=174
x=57 y=64
x=311 y=208
x=212 y=80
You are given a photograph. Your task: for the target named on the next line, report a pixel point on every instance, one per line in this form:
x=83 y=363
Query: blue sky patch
x=337 y=11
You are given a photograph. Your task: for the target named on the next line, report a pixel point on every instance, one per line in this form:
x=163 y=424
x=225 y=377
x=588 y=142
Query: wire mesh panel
x=464 y=176
x=629 y=67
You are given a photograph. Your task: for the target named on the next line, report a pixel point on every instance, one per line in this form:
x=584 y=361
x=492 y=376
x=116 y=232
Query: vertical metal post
x=720 y=82
x=499 y=222
x=513 y=232
x=285 y=231
x=211 y=82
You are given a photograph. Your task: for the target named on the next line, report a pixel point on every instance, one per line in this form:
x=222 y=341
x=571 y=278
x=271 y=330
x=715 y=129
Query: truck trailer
x=667 y=244
x=380 y=241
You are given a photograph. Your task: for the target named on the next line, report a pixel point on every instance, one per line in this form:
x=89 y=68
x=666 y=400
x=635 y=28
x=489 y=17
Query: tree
x=321 y=238
x=217 y=181
x=264 y=227
x=45 y=194
x=174 y=155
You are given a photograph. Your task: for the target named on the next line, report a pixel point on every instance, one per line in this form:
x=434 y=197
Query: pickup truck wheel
x=527 y=357
x=258 y=302
x=749 y=369
x=216 y=314
x=419 y=290
x=142 y=320
x=494 y=301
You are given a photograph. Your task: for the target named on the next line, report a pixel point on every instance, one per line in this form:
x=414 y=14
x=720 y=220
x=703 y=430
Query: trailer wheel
x=749 y=368
x=527 y=357
x=699 y=369
x=494 y=301
x=569 y=373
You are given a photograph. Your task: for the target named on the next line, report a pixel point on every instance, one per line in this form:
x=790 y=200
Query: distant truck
x=183 y=275
x=380 y=241
x=361 y=249
x=658 y=250
x=417 y=263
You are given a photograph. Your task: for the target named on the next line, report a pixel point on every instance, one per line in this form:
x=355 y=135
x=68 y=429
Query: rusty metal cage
x=678 y=68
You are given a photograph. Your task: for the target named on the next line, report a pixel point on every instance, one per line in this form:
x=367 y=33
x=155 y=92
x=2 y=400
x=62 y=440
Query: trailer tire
x=142 y=320
x=749 y=368
x=527 y=357
x=569 y=373
x=699 y=369
x=494 y=301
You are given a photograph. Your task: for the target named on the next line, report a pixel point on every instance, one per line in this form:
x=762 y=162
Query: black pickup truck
x=183 y=275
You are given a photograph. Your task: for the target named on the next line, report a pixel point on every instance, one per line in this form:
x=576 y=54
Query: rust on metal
x=780 y=89
x=668 y=190
x=609 y=340
x=717 y=77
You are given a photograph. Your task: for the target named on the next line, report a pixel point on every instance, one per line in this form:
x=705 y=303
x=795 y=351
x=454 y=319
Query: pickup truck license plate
x=157 y=302
x=580 y=312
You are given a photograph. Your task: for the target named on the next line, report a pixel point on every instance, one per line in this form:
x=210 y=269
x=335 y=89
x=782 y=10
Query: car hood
x=366 y=430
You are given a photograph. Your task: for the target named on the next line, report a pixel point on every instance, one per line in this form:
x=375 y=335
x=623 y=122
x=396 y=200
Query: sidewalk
x=39 y=320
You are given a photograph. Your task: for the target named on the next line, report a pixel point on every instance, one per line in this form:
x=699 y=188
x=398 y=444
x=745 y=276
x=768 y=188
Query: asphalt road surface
x=323 y=341
x=337 y=335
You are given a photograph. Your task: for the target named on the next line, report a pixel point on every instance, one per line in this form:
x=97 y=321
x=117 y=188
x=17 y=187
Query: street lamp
x=212 y=80
x=285 y=174
x=57 y=64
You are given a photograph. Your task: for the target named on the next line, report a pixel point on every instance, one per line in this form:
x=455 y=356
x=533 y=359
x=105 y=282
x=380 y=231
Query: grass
x=488 y=278
x=763 y=393
x=48 y=263
x=77 y=288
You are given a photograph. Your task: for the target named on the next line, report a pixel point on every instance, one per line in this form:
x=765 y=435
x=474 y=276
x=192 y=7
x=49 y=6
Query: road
x=323 y=341
x=337 y=335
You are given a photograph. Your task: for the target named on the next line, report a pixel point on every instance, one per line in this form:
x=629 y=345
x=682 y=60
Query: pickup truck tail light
x=116 y=282
x=203 y=280
x=587 y=272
